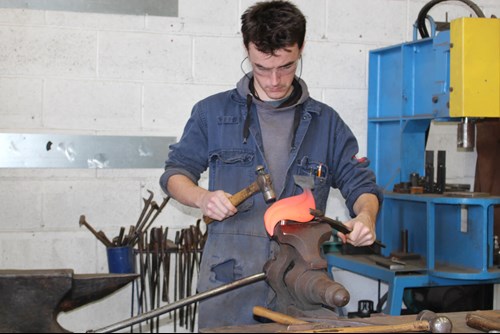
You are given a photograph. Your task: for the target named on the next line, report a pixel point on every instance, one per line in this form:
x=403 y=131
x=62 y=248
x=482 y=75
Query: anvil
x=30 y=300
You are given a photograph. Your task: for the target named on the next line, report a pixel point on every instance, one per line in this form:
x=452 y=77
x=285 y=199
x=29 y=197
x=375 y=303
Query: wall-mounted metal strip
x=80 y=151
x=130 y=7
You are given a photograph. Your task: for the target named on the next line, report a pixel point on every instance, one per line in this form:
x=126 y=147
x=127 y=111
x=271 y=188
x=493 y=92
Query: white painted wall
x=81 y=73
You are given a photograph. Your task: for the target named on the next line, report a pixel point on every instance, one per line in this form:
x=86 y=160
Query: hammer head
x=437 y=324
x=265 y=184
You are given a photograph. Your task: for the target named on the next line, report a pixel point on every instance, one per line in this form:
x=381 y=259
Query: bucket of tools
x=121 y=260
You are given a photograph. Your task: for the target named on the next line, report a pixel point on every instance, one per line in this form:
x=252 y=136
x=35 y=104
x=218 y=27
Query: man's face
x=273 y=74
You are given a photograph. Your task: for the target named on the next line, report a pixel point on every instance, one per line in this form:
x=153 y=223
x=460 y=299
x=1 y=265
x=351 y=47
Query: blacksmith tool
x=158 y=211
x=117 y=241
x=147 y=202
x=142 y=277
x=154 y=252
x=277 y=317
x=99 y=235
x=144 y=222
x=31 y=299
x=141 y=228
x=414 y=326
x=437 y=323
x=168 y=247
x=482 y=323
x=336 y=224
x=426 y=321
x=300 y=324
x=263 y=184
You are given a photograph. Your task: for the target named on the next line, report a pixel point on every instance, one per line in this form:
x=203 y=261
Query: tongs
x=319 y=216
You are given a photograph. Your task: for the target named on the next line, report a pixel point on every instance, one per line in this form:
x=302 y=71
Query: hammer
x=482 y=323
x=427 y=321
x=262 y=183
x=437 y=324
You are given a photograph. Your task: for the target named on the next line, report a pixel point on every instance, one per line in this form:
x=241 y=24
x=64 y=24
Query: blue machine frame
x=408 y=89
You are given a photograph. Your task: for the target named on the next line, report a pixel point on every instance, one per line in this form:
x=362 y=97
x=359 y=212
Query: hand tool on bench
x=297 y=324
x=426 y=321
x=414 y=326
x=482 y=323
x=437 y=323
x=277 y=317
x=263 y=184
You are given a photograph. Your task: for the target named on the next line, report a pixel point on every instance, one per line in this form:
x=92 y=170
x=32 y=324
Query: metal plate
x=130 y=7
x=80 y=151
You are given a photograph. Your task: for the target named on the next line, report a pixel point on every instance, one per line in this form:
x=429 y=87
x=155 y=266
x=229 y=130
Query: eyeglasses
x=283 y=70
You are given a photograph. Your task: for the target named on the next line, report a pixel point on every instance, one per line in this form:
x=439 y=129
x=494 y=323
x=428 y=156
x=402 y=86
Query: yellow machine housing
x=475 y=67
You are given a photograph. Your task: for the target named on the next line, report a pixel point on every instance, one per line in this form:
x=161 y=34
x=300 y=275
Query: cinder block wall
x=84 y=73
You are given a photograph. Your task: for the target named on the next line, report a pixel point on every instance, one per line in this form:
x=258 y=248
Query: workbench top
x=457 y=318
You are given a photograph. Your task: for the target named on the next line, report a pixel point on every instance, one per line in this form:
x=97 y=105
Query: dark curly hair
x=273 y=25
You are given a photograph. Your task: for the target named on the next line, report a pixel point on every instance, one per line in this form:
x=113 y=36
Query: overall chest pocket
x=232 y=171
x=322 y=176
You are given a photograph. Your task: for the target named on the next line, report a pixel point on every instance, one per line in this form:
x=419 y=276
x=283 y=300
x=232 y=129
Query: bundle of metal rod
x=157 y=255
x=189 y=243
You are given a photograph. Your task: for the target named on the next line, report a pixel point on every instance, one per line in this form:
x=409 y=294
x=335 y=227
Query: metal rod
x=183 y=302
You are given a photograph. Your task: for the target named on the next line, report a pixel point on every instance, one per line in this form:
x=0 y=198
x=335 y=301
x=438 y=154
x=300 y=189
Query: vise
x=30 y=300
x=298 y=273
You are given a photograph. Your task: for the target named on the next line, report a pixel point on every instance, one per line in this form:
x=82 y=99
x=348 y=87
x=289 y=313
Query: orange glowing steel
x=296 y=208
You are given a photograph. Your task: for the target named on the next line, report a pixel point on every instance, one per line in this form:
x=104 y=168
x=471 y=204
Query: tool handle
x=415 y=326
x=338 y=225
x=244 y=194
x=481 y=323
x=277 y=317
x=238 y=198
x=104 y=239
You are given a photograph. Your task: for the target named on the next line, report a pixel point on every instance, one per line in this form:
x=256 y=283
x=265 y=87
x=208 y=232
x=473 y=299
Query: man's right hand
x=216 y=205
x=213 y=204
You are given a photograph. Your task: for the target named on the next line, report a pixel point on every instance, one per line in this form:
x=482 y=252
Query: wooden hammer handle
x=244 y=194
x=277 y=317
x=481 y=323
x=415 y=326
x=238 y=198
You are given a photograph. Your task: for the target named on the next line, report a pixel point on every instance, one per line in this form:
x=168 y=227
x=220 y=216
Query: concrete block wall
x=87 y=73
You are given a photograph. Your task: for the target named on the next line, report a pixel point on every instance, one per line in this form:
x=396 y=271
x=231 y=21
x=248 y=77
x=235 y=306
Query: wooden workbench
x=457 y=318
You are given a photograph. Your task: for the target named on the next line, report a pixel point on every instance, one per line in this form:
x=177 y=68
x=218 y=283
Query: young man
x=269 y=119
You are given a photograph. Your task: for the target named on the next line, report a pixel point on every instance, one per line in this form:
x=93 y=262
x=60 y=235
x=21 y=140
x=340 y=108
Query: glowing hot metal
x=296 y=208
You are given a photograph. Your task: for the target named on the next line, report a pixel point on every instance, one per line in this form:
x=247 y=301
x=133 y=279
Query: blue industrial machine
x=433 y=237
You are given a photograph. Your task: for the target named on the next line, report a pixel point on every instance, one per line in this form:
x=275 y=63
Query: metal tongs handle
x=319 y=216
